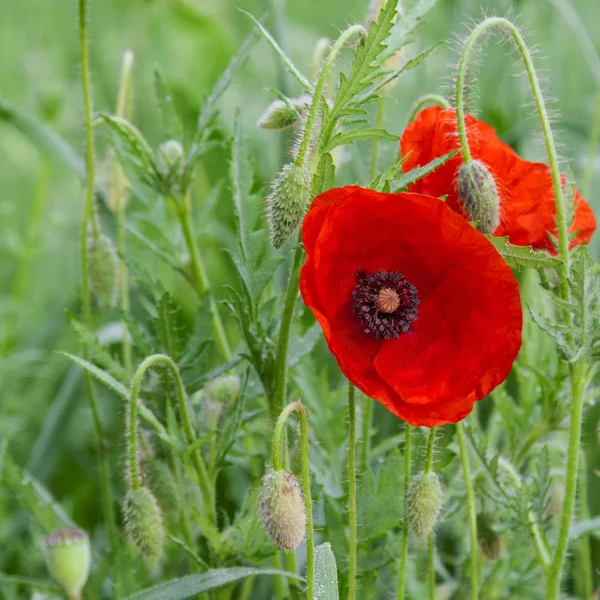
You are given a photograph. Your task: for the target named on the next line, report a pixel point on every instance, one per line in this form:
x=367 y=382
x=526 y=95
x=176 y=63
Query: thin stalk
x=404 y=551
x=367 y=412
x=352 y=490
x=117 y=192
x=424 y=101
x=184 y=212
x=584 y=578
x=278 y=437
x=89 y=218
x=190 y=433
x=289 y=559
x=431 y=564
x=375 y=149
x=464 y=456
x=430 y=447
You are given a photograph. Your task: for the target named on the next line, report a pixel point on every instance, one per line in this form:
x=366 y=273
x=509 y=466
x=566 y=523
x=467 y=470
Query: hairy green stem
x=404 y=550
x=188 y=428
x=352 y=490
x=584 y=578
x=464 y=456
x=367 y=420
x=424 y=101
x=278 y=436
x=89 y=218
x=184 y=212
x=430 y=447
x=431 y=564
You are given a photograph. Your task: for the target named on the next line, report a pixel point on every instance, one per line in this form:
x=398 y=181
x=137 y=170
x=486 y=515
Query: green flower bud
x=143 y=523
x=281 y=115
x=161 y=481
x=69 y=558
x=170 y=156
x=282 y=509
x=103 y=268
x=491 y=541
x=479 y=194
x=287 y=202
x=424 y=502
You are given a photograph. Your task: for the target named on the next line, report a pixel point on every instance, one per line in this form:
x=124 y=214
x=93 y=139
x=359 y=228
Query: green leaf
x=169 y=327
x=172 y=126
x=522 y=256
x=241 y=182
x=326 y=580
x=358 y=135
x=43 y=137
x=419 y=172
x=324 y=178
x=192 y=585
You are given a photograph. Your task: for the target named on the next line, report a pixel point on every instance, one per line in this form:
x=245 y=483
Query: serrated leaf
x=412 y=18
x=358 y=135
x=241 y=181
x=522 y=256
x=326 y=580
x=192 y=585
x=169 y=327
x=172 y=127
x=324 y=178
x=419 y=172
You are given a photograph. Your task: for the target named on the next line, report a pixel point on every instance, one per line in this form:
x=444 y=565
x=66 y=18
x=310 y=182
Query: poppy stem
x=471 y=508
x=423 y=101
x=404 y=551
x=430 y=447
x=277 y=466
x=431 y=556
x=352 y=490
x=375 y=150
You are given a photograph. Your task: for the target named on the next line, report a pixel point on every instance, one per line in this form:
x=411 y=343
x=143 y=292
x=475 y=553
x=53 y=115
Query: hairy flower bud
x=282 y=509
x=287 y=202
x=69 y=558
x=424 y=502
x=491 y=541
x=162 y=482
x=283 y=114
x=170 y=156
x=143 y=523
x=479 y=194
x=103 y=268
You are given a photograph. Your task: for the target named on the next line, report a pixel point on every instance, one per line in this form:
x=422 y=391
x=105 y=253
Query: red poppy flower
x=527 y=209
x=418 y=308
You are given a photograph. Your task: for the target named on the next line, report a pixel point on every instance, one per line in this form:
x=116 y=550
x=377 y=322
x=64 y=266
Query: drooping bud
x=162 y=482
x=283 y=114
x=69 y=558
x=424 y=502
x=287 y=202
x=479 y=194
x=491 y=541
x=170 y=156
x=282 y=509
x=103 y=268
x=143 y=523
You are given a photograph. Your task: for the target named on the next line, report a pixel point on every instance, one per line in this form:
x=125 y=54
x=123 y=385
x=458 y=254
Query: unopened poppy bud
x=69 y=558
x=424 y=502
x=491 y=541
x=282 y=509
x=281 y=115
x=479 y=194
x=103 y=268
x=143 y=523
x=170 y=156
x=162 y=482
x=287 y=202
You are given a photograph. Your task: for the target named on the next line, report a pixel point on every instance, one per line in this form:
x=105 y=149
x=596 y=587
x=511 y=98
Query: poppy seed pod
x=479 y=194
x=287 y=202
x=282 y=509
x=170 y=156
x=491 y=542
x=424 y=502
x=69 y=558
x=143 y=523
x=281 y=115
x=103 y=268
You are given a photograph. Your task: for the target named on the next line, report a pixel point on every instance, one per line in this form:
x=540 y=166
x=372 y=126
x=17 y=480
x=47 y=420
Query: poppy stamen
x=386 y=304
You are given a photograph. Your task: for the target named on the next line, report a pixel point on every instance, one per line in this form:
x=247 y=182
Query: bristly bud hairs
x=103 y=268
x=479 y=194
x=287 y=202
x=68 y=557
x=143 y=523
x=284 y=114
x=282 y=509
x=424 y=502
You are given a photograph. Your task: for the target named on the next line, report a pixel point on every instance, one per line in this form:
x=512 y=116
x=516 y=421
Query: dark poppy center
x=386 y=304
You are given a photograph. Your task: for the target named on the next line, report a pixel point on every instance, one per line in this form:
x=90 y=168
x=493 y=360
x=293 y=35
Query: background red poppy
x=468 y=330
x=527 y=209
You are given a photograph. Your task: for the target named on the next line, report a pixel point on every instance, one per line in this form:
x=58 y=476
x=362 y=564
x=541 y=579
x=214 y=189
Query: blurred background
x=191 y=42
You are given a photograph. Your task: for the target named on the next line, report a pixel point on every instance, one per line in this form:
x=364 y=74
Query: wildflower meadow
x=300 y=300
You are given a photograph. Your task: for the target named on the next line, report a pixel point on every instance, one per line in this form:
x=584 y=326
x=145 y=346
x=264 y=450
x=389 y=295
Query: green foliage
x=326 y=581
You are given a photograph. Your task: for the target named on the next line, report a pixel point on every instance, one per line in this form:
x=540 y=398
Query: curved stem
x=190 y=433
x=471 y=508
x=352 y=490
x=184 y=212
x=404 y=550
x=424 y=101
x=430 y=447
x=431 y=565
x=278 y=436
x=346 y=36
